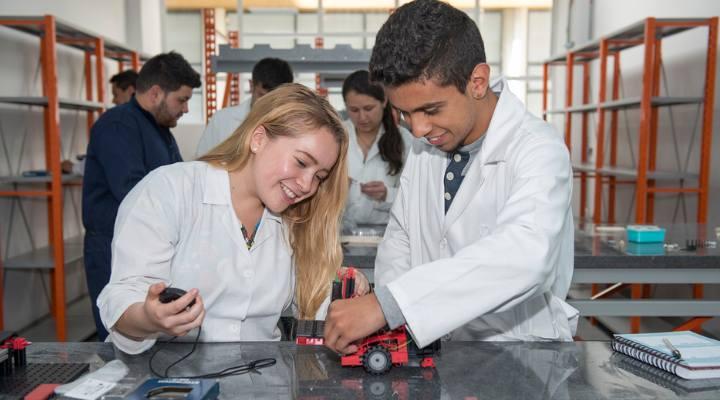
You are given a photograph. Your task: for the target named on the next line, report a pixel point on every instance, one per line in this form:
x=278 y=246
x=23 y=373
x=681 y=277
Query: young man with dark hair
x=126 y=143
x=480 y=240
x=267 y=74
x=123 y=86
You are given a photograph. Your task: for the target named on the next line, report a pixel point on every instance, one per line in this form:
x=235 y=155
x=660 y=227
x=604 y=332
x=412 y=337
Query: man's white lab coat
x=221 y=126
x=498 y=266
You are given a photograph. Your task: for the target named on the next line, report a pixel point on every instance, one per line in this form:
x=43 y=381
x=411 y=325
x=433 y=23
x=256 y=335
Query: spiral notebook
x=663 y=378
x=700 y=355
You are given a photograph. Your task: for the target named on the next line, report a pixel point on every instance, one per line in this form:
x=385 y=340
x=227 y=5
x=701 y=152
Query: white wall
x=22 y=144
x=105 y=17
x=684 y=65
x=514 y=48
x=145 y=25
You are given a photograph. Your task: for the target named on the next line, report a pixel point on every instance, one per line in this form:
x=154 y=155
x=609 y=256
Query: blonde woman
x=246 y=230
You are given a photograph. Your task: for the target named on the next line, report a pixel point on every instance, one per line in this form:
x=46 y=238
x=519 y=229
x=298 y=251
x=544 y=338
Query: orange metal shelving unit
x=320 y=44
x=231 y=96
x=648 y=33
x=232 y=85
x=59 y=252
x=209 y=50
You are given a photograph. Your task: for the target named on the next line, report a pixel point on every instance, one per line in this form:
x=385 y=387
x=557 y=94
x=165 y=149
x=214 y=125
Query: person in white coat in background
x=267 y=74
x=376 y=153
x=480 y=240
x=248 y=230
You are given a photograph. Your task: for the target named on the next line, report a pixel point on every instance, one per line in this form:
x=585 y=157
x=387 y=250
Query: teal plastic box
x=645 y=249
x=645 y=234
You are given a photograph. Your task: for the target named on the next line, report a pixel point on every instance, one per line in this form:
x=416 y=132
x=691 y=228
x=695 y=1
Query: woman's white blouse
x=178 y=226
x=360 y=208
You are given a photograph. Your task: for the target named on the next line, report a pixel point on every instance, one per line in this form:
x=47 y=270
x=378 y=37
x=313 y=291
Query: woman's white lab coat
x=498 y=266
x=178 y=226
x=360 y=208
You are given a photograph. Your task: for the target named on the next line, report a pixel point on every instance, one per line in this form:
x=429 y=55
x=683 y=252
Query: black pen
x=675 y=352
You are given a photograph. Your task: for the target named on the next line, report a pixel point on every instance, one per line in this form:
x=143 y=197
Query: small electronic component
x=694 y=244
x=378 y=352
x=343 y=287
x=15 y=349
x=171 y=294
x=310 y=332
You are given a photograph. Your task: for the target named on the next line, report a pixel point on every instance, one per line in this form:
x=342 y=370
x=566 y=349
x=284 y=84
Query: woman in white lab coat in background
x=377 y=151
x=246 y=230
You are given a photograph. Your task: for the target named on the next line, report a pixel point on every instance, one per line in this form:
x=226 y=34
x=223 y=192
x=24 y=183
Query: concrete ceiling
x=342 y=5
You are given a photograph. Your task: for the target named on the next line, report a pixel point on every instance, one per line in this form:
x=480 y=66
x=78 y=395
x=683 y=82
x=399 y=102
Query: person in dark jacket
x=126 y=143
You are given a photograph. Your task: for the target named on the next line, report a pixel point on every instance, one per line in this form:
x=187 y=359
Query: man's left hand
x=350 y=320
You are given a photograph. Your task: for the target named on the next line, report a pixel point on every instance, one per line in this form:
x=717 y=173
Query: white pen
x=675 y=352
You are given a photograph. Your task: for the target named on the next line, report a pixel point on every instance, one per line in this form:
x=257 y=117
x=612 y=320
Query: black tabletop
x=465 y=370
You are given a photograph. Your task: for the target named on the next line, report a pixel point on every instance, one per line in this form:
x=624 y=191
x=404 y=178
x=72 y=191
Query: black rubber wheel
x=377 y=360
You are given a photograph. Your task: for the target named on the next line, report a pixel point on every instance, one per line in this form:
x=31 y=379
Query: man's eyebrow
x=423 y=107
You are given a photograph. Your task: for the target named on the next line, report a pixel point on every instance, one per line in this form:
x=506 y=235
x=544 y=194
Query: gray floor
x=80 y=325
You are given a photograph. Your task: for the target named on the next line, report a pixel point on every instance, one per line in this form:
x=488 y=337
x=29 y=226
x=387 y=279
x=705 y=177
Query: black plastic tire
x=377 y=360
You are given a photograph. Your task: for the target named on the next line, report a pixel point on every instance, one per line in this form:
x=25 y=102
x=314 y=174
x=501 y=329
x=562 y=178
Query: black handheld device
x=171 y=294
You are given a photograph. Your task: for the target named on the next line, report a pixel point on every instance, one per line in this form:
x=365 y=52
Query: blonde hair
x=291 y=110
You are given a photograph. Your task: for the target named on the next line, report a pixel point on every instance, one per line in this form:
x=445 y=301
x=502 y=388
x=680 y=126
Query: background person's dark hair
x=427 y=39
x=271 y=73
x=125 y=79
x=170 y=71
x=390 y=145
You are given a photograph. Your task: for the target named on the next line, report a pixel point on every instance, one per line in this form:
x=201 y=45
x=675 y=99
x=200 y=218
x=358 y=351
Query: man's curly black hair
x=170 y=71
x=427 y=39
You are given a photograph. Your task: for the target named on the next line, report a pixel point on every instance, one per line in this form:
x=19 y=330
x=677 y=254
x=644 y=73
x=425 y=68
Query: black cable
x=167 y=370
x=253 y=366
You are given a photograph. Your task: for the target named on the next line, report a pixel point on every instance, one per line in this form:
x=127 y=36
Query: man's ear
x=258 y=139
x=479 y=82
x=156 y=93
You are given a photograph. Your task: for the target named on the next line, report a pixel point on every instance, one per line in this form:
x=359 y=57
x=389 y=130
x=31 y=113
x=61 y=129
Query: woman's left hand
x=375 y=190
x=362 y=284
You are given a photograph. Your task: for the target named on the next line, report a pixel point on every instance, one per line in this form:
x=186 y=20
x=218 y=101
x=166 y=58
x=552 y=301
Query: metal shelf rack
x=648 y=33
x=52 y=32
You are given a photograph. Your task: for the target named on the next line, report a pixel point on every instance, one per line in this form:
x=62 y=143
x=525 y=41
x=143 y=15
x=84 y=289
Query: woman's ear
x=258 y=139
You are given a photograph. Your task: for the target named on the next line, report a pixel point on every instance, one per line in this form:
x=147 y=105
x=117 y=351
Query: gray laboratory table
x=465 y=370
x=605 y=257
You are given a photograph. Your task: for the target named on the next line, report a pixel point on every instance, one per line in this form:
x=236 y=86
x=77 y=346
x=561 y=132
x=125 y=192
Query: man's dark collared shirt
x=125 y=145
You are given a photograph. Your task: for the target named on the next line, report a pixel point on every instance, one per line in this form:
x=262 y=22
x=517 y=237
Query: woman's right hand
x=174 y=318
